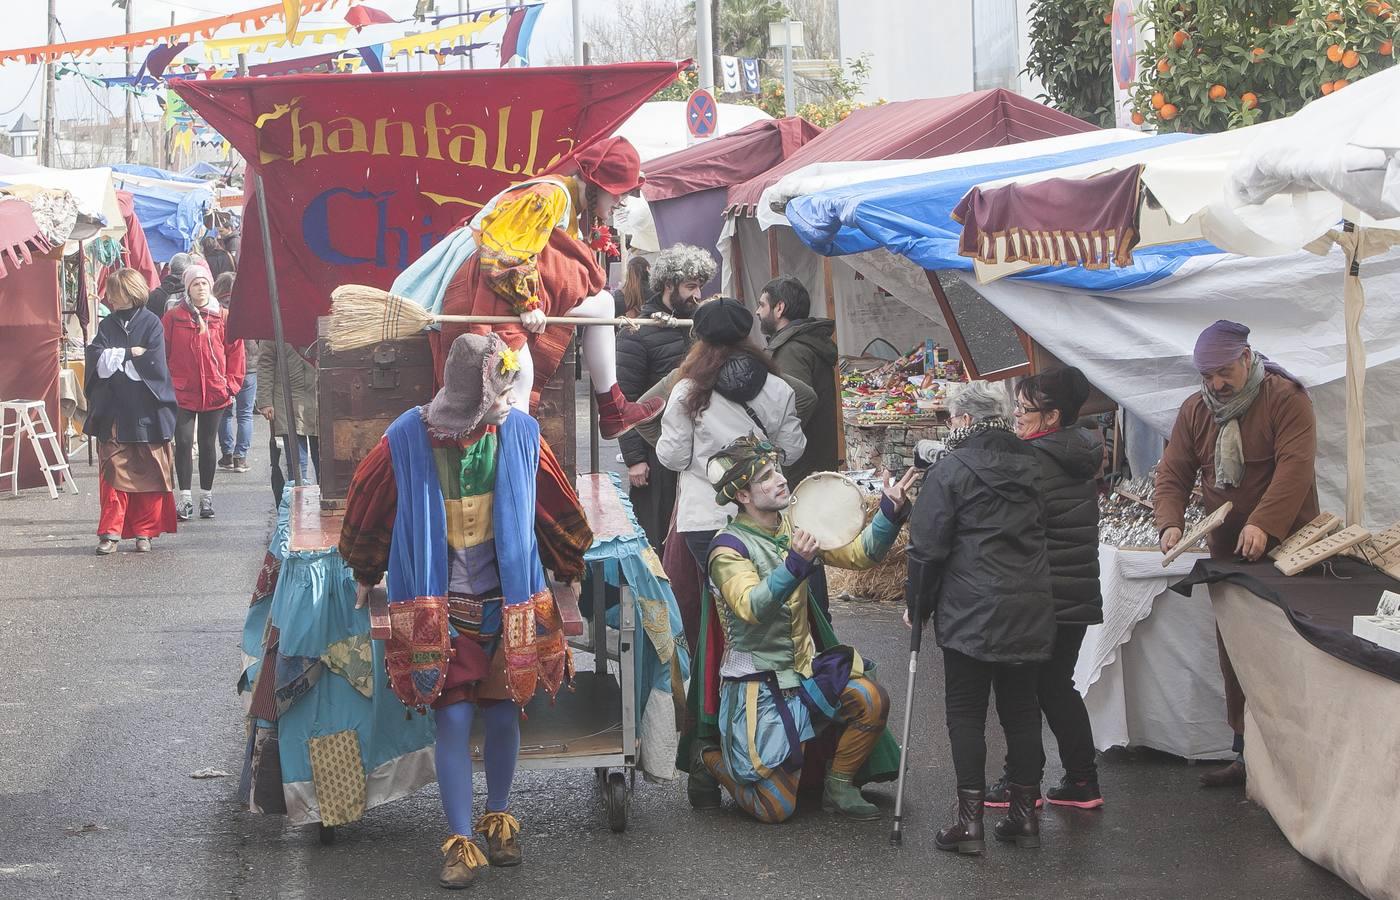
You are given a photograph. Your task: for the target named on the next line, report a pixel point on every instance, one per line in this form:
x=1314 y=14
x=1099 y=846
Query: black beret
x=723 y=321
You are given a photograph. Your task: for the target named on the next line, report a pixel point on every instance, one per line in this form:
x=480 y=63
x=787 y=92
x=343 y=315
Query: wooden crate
x=360 y=392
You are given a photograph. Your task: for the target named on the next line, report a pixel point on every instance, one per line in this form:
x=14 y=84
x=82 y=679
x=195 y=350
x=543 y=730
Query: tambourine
x=830 y=507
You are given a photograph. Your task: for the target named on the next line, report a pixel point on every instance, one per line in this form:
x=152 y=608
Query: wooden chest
x=360 y=392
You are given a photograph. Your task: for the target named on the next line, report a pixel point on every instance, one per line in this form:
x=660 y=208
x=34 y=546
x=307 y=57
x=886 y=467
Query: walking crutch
x=916 y=633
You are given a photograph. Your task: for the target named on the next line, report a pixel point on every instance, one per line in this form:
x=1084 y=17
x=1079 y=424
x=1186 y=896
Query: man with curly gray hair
x=646 y=356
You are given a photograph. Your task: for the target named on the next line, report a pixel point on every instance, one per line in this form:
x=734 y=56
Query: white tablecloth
x=1149 y=674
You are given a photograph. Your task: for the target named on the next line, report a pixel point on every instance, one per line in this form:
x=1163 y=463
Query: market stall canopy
x=91 y=188
x=727 y=160
x=911 y=216
x=204 y=170
x=152 y=172
x=171 y=212
x=919 y=129
x=658 y=128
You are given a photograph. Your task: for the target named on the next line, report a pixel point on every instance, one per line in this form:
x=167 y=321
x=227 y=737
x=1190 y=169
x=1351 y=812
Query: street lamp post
x=787 y=34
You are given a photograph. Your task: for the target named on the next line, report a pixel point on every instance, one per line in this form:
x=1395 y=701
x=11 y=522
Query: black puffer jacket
x=1069 y=459
x=977 y=559
x=645 y=356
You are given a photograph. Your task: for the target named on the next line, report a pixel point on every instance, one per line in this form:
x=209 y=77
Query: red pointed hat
x=612 y=164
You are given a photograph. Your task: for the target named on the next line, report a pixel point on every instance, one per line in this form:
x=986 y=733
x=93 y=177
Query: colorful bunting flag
x=729 y=75
x=752 y=83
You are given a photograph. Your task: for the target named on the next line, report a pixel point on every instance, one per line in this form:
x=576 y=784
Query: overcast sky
x=84 y=19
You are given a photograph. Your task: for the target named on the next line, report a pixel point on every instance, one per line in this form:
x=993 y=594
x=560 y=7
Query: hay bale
x=881 y=583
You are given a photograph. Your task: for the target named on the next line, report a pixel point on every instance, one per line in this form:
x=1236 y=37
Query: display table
x=1322 y=737
x=328 y=696
x=1150 y=674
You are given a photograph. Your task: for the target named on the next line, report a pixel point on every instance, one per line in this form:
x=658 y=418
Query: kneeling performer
x=463 y=505
x=771 y=671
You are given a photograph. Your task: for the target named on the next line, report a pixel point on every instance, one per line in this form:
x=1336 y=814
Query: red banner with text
x=365 y=172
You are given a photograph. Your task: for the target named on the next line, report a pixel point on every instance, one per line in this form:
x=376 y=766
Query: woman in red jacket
x=206 y=371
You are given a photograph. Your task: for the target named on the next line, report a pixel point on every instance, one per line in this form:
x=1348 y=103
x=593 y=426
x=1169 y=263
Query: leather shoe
x=1226 y=776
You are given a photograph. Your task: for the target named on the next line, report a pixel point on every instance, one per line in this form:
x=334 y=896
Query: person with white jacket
x=728 y=388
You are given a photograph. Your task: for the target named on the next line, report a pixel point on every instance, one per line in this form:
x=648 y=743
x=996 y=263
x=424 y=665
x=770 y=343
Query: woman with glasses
x=977 y=565
x=1047 y=410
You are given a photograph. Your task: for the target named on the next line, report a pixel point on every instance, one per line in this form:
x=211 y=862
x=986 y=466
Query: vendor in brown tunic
x=1251 y=434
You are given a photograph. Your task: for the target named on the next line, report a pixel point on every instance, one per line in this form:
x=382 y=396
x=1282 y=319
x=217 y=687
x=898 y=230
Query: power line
x=37 y=72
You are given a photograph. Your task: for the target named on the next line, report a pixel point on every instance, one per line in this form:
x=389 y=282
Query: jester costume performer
x=462 y=505
x=782 y=677
x=528 y=253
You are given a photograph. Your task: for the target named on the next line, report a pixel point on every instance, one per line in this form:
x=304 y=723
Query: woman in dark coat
x=1047 y=407
x=131 y=415
x=977 y=565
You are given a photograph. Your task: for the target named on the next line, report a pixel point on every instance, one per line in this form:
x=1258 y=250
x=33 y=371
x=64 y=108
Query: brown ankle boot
x=1232 y=775
x=967 y=835
x=502 y=831
x=617 y=415
x=1022 y=822
x=463 y=859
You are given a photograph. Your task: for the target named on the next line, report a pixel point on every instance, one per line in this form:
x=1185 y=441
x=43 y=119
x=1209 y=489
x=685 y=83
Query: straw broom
x=362 y=315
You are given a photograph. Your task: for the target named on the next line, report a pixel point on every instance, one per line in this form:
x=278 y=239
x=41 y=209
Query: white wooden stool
x=31 y=420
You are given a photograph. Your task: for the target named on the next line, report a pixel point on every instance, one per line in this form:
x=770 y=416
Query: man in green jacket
x=805 y=349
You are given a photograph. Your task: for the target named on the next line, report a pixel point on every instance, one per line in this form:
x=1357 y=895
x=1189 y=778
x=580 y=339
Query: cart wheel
x=617 y=802
x=327 y=834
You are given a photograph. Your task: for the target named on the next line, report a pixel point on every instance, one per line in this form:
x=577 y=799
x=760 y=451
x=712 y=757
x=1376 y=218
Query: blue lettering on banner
x=393 y=244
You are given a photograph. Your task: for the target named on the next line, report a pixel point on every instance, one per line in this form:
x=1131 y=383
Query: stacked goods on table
x=1324 y=537
x=1382 y=629
x=1125 y=515
x=910 y=390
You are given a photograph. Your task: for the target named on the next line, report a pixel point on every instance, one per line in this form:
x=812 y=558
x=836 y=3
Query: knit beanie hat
x=196 y=270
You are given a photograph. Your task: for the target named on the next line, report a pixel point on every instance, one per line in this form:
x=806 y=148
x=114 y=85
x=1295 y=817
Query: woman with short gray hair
x=977 y=564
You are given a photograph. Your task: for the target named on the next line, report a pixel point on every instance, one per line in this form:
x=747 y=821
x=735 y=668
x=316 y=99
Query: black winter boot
x=1022 y=822
x=967 y=835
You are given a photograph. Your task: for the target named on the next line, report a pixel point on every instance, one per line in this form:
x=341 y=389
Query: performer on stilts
x=463 y=505
x=530 y=252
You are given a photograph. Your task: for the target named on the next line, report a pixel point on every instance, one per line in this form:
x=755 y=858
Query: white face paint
x=768 y=492
x=500 y=408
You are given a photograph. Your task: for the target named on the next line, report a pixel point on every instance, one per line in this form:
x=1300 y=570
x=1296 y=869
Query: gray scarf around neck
x=1229 y=445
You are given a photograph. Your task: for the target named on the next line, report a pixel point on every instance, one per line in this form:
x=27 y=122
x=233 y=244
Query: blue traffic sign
x=702 y=114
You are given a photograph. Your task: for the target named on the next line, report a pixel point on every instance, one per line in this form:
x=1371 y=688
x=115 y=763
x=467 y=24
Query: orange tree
x=1213 y=65
x=1070 y=53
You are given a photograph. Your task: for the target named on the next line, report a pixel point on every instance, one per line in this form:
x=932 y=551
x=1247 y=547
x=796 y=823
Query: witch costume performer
x=530 y=252
x=132 y=417
x=463 y=506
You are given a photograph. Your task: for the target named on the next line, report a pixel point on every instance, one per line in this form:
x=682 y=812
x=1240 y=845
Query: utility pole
x=578 y=32
x=705 y=44
x=168 y=143
x=47 y=145
x=130 y=143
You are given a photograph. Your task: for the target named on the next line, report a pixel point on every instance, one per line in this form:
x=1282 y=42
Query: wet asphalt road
x=118 y=683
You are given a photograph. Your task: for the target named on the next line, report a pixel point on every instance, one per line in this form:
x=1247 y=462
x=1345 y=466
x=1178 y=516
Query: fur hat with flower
x=480 y=367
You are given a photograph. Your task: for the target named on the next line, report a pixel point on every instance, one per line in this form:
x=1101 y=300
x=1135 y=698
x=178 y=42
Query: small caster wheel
x=326 y=834
x=617 y=799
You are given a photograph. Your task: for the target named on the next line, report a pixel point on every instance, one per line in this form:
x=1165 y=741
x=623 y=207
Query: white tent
x=92 y=188
x=658 y=128
x=1273 y=189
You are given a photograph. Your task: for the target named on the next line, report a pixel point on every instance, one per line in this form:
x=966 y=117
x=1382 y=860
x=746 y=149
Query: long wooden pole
x=50 y=141
x=293 y=450
x=130 y=144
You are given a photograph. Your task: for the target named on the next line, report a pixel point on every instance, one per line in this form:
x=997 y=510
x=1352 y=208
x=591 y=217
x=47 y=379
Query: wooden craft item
x=1193 y=537
x=1378 y=545
x=1389 y=562
x=1310 y=533
x=1322 y=550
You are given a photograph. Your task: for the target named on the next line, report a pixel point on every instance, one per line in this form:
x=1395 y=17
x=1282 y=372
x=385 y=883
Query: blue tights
x=501 y=723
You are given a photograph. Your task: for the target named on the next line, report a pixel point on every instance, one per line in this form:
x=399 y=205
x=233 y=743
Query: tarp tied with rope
x=366 y=172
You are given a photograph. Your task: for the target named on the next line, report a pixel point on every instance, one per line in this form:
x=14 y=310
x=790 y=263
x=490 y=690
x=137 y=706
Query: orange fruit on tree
x=1249 y=99
x=1179 y=39
x=1373 y=7
x=1326 y=88
x=1259 y=51
x=1158 y=100
x=1384 y=11
x=1138 y=118
x=1163 y=67
x=1108 y=18
x=1350 y=59
x=1167 y=112
x=1291 y=22
x=1339 y=84
x=1334 y=17
x=1386 y=48
x=1334 y=53
x=1218 y=92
